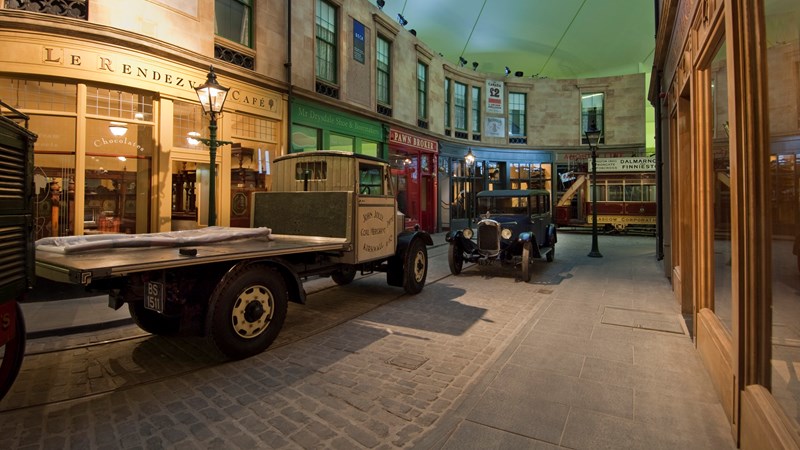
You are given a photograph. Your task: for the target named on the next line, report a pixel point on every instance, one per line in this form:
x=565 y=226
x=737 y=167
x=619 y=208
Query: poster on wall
x=495 y=127
x=494 y=96
x=358 y=41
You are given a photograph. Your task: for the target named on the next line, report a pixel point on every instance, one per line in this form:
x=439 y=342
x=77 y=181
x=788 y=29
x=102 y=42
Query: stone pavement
x=591 y=353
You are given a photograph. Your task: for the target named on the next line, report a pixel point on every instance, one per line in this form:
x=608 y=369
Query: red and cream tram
x=626 y=195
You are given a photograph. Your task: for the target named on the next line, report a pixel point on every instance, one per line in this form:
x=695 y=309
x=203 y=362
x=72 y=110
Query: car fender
x=552 y=236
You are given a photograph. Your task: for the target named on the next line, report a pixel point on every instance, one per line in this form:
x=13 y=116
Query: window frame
x=248 y=17
x=422 y=90
x=522 y=126
x=326 y=70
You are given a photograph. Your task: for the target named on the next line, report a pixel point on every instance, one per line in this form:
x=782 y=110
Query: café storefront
x=112 y=153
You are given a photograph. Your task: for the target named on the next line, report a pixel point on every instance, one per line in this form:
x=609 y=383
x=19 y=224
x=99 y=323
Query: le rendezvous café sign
x=141 y=71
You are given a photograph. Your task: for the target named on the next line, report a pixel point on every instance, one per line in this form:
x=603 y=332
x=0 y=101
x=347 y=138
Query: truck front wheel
x=415 y=267
x=246 y=311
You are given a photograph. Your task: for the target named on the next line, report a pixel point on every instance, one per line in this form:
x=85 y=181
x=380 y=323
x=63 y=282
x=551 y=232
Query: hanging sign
x=494 y=96
x=358 y=41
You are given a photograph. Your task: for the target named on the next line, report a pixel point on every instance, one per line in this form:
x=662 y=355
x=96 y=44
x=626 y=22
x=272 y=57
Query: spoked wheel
x=13 y=350
x=455 y=258
x=247 y=310
x=526 y=261
x=415 y=267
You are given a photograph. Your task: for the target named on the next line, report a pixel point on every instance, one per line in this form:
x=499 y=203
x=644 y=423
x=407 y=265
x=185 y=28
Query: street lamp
x=212 y=97
x=470 y=160
x=593 y=136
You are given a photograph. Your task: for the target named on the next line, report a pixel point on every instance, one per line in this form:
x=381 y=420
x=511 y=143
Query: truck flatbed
x=85 y=266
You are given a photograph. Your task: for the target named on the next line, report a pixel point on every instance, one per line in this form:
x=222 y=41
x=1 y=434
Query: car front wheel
x=455 y=258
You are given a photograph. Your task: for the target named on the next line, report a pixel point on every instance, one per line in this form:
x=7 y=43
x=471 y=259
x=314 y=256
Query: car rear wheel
x=455 y=258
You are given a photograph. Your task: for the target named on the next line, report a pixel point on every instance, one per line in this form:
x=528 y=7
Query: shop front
x=318 y=127
x=414 y=160
x=112 y=154
x=487 y=169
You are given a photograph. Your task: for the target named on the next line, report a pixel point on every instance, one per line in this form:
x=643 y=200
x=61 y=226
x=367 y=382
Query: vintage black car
x=514 y=227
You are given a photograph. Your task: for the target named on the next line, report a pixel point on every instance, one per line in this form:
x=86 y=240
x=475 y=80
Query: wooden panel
x=325 y=214
x=714 y=345
x=764 y=424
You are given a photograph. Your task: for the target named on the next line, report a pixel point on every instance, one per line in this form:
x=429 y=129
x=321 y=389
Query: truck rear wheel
x=246 y=311
x=455 y=258
x=153 y=322
x=415 y=267
x=344 y=275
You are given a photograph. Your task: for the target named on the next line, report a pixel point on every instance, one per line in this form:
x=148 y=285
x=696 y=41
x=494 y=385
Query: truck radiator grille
x=489 y=237
x=12 y=174
x=13 y=254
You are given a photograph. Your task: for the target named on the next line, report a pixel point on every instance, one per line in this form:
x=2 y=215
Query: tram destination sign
x=632 y=164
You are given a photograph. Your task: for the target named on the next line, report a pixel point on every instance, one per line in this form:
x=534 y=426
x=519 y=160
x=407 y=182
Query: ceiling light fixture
x=474 y=65
x=518 y=73
x=381 y=3
x=118 y=128
x=461 y=61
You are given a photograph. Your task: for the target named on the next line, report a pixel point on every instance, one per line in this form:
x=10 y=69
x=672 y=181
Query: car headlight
x=506 y=233
x=468 y=233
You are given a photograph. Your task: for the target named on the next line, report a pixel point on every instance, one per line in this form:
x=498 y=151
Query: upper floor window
x=447 y=102
x=476 y=109
x=516 y=114
x=422 y=91
x=460 y=106
x=383 y=77
x=326 y=42
x=592 y=114
x=233 y=20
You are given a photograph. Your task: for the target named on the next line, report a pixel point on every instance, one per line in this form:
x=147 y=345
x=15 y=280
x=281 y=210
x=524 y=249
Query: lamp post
x=470 y=160
x=593 y=136
x=212 y=97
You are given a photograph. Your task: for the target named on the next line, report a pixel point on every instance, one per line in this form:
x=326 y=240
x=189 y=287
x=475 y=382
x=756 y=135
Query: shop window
x=783 y=67
x=326 y=47
x=233 y=20
x=305 y=139
x=383 y=64
x=39 y=95
x=592 y=114
x=254 y=144
x=186 y=118
x=126 y=106
x=370 y=148
x=721 y=179
x=341 y=142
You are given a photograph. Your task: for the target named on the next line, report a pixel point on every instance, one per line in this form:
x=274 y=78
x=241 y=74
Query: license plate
x=154 y=296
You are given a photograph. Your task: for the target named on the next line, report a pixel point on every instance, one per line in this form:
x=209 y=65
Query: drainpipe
x=288 y=66
x=659 y=159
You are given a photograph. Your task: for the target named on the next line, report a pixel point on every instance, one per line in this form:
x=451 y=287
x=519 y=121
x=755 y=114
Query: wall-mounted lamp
x=518 y=73
x=474 y=65
x=461 y=61
x=381 y=4
x=402 y=20
x=118 y=128
x=508 y=71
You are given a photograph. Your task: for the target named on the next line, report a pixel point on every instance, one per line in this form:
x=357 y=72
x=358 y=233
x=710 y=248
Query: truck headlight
x=468 y=233
x=506 y=233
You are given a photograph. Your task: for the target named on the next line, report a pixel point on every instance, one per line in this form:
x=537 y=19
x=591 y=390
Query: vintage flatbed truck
x=329 y=214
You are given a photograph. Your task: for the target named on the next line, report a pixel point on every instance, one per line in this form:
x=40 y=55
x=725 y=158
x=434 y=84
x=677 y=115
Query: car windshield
x=503 y=205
